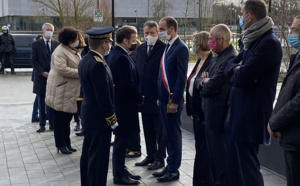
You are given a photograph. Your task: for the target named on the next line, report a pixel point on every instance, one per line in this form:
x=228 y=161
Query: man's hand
x=192 y=117
x=157 y=102
x=205 y=75
x=205 y=80
x=45 y=74
x=173 y=108
x=240 y=63
x=236 y=68
x=273 y=134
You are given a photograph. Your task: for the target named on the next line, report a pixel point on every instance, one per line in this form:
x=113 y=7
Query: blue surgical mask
x=294 y=41
x=242 y=23
x=193 y=48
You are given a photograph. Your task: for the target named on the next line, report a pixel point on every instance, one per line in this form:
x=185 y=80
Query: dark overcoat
x=41 y=63
x=126 y=91
x=286 y=114
x=148 y=68
x=253 y=89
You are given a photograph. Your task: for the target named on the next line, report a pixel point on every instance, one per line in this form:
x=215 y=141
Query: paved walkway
x=30 y=158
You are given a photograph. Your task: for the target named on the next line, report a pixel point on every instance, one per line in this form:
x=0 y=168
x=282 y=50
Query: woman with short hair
x=63 y=86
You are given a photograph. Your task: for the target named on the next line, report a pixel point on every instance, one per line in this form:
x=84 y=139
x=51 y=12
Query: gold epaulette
x=111 y=120
x=79 y=99
x=98 y=59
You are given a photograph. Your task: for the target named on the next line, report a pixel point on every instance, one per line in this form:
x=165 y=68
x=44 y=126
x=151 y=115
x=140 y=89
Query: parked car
x=23 y=43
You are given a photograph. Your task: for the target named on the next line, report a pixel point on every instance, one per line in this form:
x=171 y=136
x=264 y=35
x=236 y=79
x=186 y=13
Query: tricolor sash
x=164 y=72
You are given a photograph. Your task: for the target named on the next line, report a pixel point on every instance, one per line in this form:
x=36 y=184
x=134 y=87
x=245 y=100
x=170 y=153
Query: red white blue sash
x=164 y=72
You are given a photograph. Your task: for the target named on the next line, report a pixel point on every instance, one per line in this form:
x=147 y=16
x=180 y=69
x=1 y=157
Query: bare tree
x=160 y=8
x=188 y=2
x=70 y=12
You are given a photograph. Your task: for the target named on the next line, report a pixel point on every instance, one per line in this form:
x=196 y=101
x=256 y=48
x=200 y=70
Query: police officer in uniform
x=98 y=116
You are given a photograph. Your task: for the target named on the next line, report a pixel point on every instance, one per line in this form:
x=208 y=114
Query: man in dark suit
x=253 y=75
x=98 y=115
x=148 y=60
x=285 y=122
x=127 y=99
x=214 y=103
x=171 y=84
x=40 y=60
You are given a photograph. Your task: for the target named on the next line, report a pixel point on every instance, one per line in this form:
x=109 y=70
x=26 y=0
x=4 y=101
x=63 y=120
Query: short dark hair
x=39 y=37
x=67 y=34
x=256 y=7
x=151 y=24
x=171 y=21
x=125 y=33
x=94 y=44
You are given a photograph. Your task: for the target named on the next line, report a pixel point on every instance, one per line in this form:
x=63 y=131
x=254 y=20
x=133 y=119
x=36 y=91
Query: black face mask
x=133 y=46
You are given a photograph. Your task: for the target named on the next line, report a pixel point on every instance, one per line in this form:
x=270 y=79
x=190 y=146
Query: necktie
x=168 y=45
x=48 y=48
x=150 y=50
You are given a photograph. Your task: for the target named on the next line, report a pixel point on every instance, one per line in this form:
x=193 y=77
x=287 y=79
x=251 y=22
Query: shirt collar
x=98 y=54
x=173 y=40
x=123 y=49
x=45 y=40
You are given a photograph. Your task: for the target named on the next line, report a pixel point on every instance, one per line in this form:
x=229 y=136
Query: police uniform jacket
x=126 y=85
x=97 y=109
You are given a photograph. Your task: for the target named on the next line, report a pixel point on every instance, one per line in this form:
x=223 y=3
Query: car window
x=24 y=41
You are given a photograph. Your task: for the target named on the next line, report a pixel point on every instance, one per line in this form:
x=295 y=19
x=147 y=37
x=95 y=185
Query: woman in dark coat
x=193 y=107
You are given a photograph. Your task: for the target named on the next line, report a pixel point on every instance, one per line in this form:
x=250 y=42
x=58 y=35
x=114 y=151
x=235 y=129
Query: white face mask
x=107 y=51
x=151 y=40
x=48 y=34
x=164 y=35
x=75 y=44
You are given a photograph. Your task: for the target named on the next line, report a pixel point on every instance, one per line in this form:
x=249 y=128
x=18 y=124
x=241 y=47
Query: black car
x=23 y=43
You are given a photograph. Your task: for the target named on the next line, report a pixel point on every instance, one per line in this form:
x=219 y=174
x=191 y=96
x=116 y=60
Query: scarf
x=256 y=30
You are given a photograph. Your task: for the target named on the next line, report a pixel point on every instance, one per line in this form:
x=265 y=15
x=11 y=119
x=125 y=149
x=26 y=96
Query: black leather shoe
x=161 y=173
x=125 y=180
x=169 y=177
x=33 y=120
x=63 y=150
x=41 y=129
x=132 y=176
x=145 y=162
x=156 y=165
x=70 y=148
x=79 y=133
x=13 y=72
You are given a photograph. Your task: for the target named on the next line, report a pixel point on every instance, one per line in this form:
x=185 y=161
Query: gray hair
x=151 y=24
x=44 y=25
x=297 y=17
x=222 y=31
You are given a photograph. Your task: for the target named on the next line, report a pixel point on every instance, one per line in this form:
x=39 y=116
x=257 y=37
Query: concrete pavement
x=30 y=158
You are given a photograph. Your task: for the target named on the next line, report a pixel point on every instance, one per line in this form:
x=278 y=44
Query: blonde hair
x=200 y=40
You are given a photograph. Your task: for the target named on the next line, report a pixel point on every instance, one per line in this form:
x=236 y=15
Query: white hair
x=222 y=31
x=44 y=25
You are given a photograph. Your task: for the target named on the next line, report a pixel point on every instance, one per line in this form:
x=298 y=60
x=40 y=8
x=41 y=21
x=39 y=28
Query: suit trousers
x=45 y=111
x=244 y=164
x=35 y=108
x=154 y=136
x=62 y=128
x=292 y=167
x=173 y=136
x=119 y=150
x=95 y=158
x=201 y=174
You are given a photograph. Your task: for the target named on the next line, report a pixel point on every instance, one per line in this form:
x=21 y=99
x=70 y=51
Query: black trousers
x=217 y=157
x=244 y=164
x=62 y=128
x=7 y=60
x=154 y=136
x=201 y=174
x=134 y=142
x=292 y=167
x=119 y=150
x=95 y=158
x=77 y=115
x=45 y=112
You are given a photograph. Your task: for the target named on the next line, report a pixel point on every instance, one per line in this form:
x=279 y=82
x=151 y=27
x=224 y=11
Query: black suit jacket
x=97 y=86
x=148 y=69
x=215 y=91
x=40 y=64
x=126 y=87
